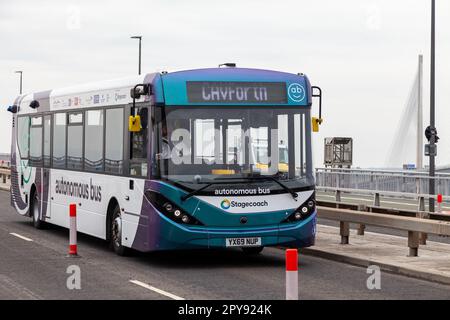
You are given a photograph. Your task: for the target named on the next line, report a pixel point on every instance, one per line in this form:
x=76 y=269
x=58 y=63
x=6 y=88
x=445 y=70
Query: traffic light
x=431 y=131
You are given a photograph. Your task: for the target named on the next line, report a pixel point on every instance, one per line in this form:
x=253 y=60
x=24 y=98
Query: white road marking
x=19 y=236
x=164 y=293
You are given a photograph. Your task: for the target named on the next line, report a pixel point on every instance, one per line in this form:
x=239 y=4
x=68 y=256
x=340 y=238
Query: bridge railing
x=5 y=178
x=411 y=182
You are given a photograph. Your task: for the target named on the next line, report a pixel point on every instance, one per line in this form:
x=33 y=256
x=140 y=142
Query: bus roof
x=237 y=86
x=170 y=88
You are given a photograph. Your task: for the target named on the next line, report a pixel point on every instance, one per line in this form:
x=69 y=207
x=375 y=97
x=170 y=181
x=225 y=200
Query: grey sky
x=362 y=53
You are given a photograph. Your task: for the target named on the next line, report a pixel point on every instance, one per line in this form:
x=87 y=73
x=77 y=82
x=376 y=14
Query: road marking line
x=19 y=236
x=164 y=293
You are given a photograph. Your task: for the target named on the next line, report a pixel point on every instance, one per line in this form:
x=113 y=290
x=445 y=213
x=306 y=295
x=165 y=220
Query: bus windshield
x=205 y=144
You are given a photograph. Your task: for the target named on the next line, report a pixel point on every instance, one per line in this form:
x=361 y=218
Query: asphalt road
x=37 y=270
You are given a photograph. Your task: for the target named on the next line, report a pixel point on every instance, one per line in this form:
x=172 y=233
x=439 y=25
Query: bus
x=166 y=161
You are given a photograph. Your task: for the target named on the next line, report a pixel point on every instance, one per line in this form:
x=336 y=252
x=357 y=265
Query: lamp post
x=432 y=108
x=140 y=41
x=21 y=72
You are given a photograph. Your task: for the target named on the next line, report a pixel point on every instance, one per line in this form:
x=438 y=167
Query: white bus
x=126 y=152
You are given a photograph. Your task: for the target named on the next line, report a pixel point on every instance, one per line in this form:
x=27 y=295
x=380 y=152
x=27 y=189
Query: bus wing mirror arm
x=134 y=124
x=136 y=94
x=317 y=121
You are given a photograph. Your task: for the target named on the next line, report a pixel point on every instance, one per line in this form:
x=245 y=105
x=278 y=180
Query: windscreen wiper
x=282 y=185
x=194 y=192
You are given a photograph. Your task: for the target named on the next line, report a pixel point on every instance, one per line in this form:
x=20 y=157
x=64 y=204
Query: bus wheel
x=34 y=209
x=252 y=250
x=116 y=233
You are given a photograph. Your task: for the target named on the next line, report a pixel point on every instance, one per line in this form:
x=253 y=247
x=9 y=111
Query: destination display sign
x=236 y=92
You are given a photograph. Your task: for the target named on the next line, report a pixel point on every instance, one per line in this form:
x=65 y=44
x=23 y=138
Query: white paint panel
x=256 y=204
x=91 y=214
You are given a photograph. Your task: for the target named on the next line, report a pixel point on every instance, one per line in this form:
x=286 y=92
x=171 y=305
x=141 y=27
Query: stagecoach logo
x=225 y=204
x=296 y=92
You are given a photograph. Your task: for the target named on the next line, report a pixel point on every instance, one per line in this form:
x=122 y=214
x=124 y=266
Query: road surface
x=33 y=265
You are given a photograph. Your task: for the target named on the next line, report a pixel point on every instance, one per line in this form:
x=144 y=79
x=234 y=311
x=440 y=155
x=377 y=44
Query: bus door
x=137 y=165
x=46 y=172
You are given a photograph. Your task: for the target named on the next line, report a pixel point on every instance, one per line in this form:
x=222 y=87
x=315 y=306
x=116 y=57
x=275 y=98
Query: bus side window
x=59 y=140
x=93 y=141
x=75 y=141
x=36 y=142
x=138 y=148
x=114 y=141
x=23 y=136
x=47 y=137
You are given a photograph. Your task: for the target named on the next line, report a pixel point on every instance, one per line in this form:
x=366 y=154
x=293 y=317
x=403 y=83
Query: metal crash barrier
x=414 y=226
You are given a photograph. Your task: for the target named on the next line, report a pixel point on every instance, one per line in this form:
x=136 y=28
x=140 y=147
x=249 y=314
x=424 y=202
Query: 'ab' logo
x=225 y=204
x=296 y=92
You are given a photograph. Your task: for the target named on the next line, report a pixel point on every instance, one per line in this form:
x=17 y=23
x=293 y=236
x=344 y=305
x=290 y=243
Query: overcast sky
x=363 y=53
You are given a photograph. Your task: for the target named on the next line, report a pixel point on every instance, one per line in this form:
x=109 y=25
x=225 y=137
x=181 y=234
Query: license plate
x=243 y=242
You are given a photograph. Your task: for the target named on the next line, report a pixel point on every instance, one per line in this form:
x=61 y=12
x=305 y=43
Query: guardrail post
x=338 y=196
x=361 y=227
x=421 y=214
x=413 y=243
x=344 y=231
x=4 y=178
x=421 y=206
x=423 y=236
x=376 y=200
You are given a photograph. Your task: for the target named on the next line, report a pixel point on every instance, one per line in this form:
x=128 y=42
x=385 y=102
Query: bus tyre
x=116 y=233
x=34 y=211
x=252 y=250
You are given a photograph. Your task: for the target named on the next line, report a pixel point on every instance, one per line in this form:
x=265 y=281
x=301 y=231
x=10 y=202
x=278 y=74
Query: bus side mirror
x=12 y=109
x=316 y=122
x=134 y=123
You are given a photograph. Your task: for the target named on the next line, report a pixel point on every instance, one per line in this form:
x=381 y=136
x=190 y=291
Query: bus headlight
x=169 y=209
x=304 y=211
x=168 y=206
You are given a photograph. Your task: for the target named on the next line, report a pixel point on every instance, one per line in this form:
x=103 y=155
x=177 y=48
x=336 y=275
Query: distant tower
x=338 y=152
x=419 y=150
x=407 y=141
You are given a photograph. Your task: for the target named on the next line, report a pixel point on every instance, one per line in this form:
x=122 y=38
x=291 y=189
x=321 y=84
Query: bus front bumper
x=177 y=237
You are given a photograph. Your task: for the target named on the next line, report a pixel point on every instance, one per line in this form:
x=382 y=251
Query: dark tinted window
x=75 y=141
x=36 y=142
x=114 y=141
x=93 y=145
x=59 y=140
x=23 y=136
x=47 y=135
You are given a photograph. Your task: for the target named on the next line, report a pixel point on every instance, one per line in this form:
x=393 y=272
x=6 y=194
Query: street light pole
x=20 y=90
x=432 y=108
x=140 y=46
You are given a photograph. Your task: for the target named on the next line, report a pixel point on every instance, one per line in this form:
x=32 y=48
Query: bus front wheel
x=116 y=233
x=34 y=210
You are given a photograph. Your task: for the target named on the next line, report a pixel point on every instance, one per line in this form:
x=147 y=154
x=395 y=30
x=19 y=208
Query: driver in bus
x=165 y=153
